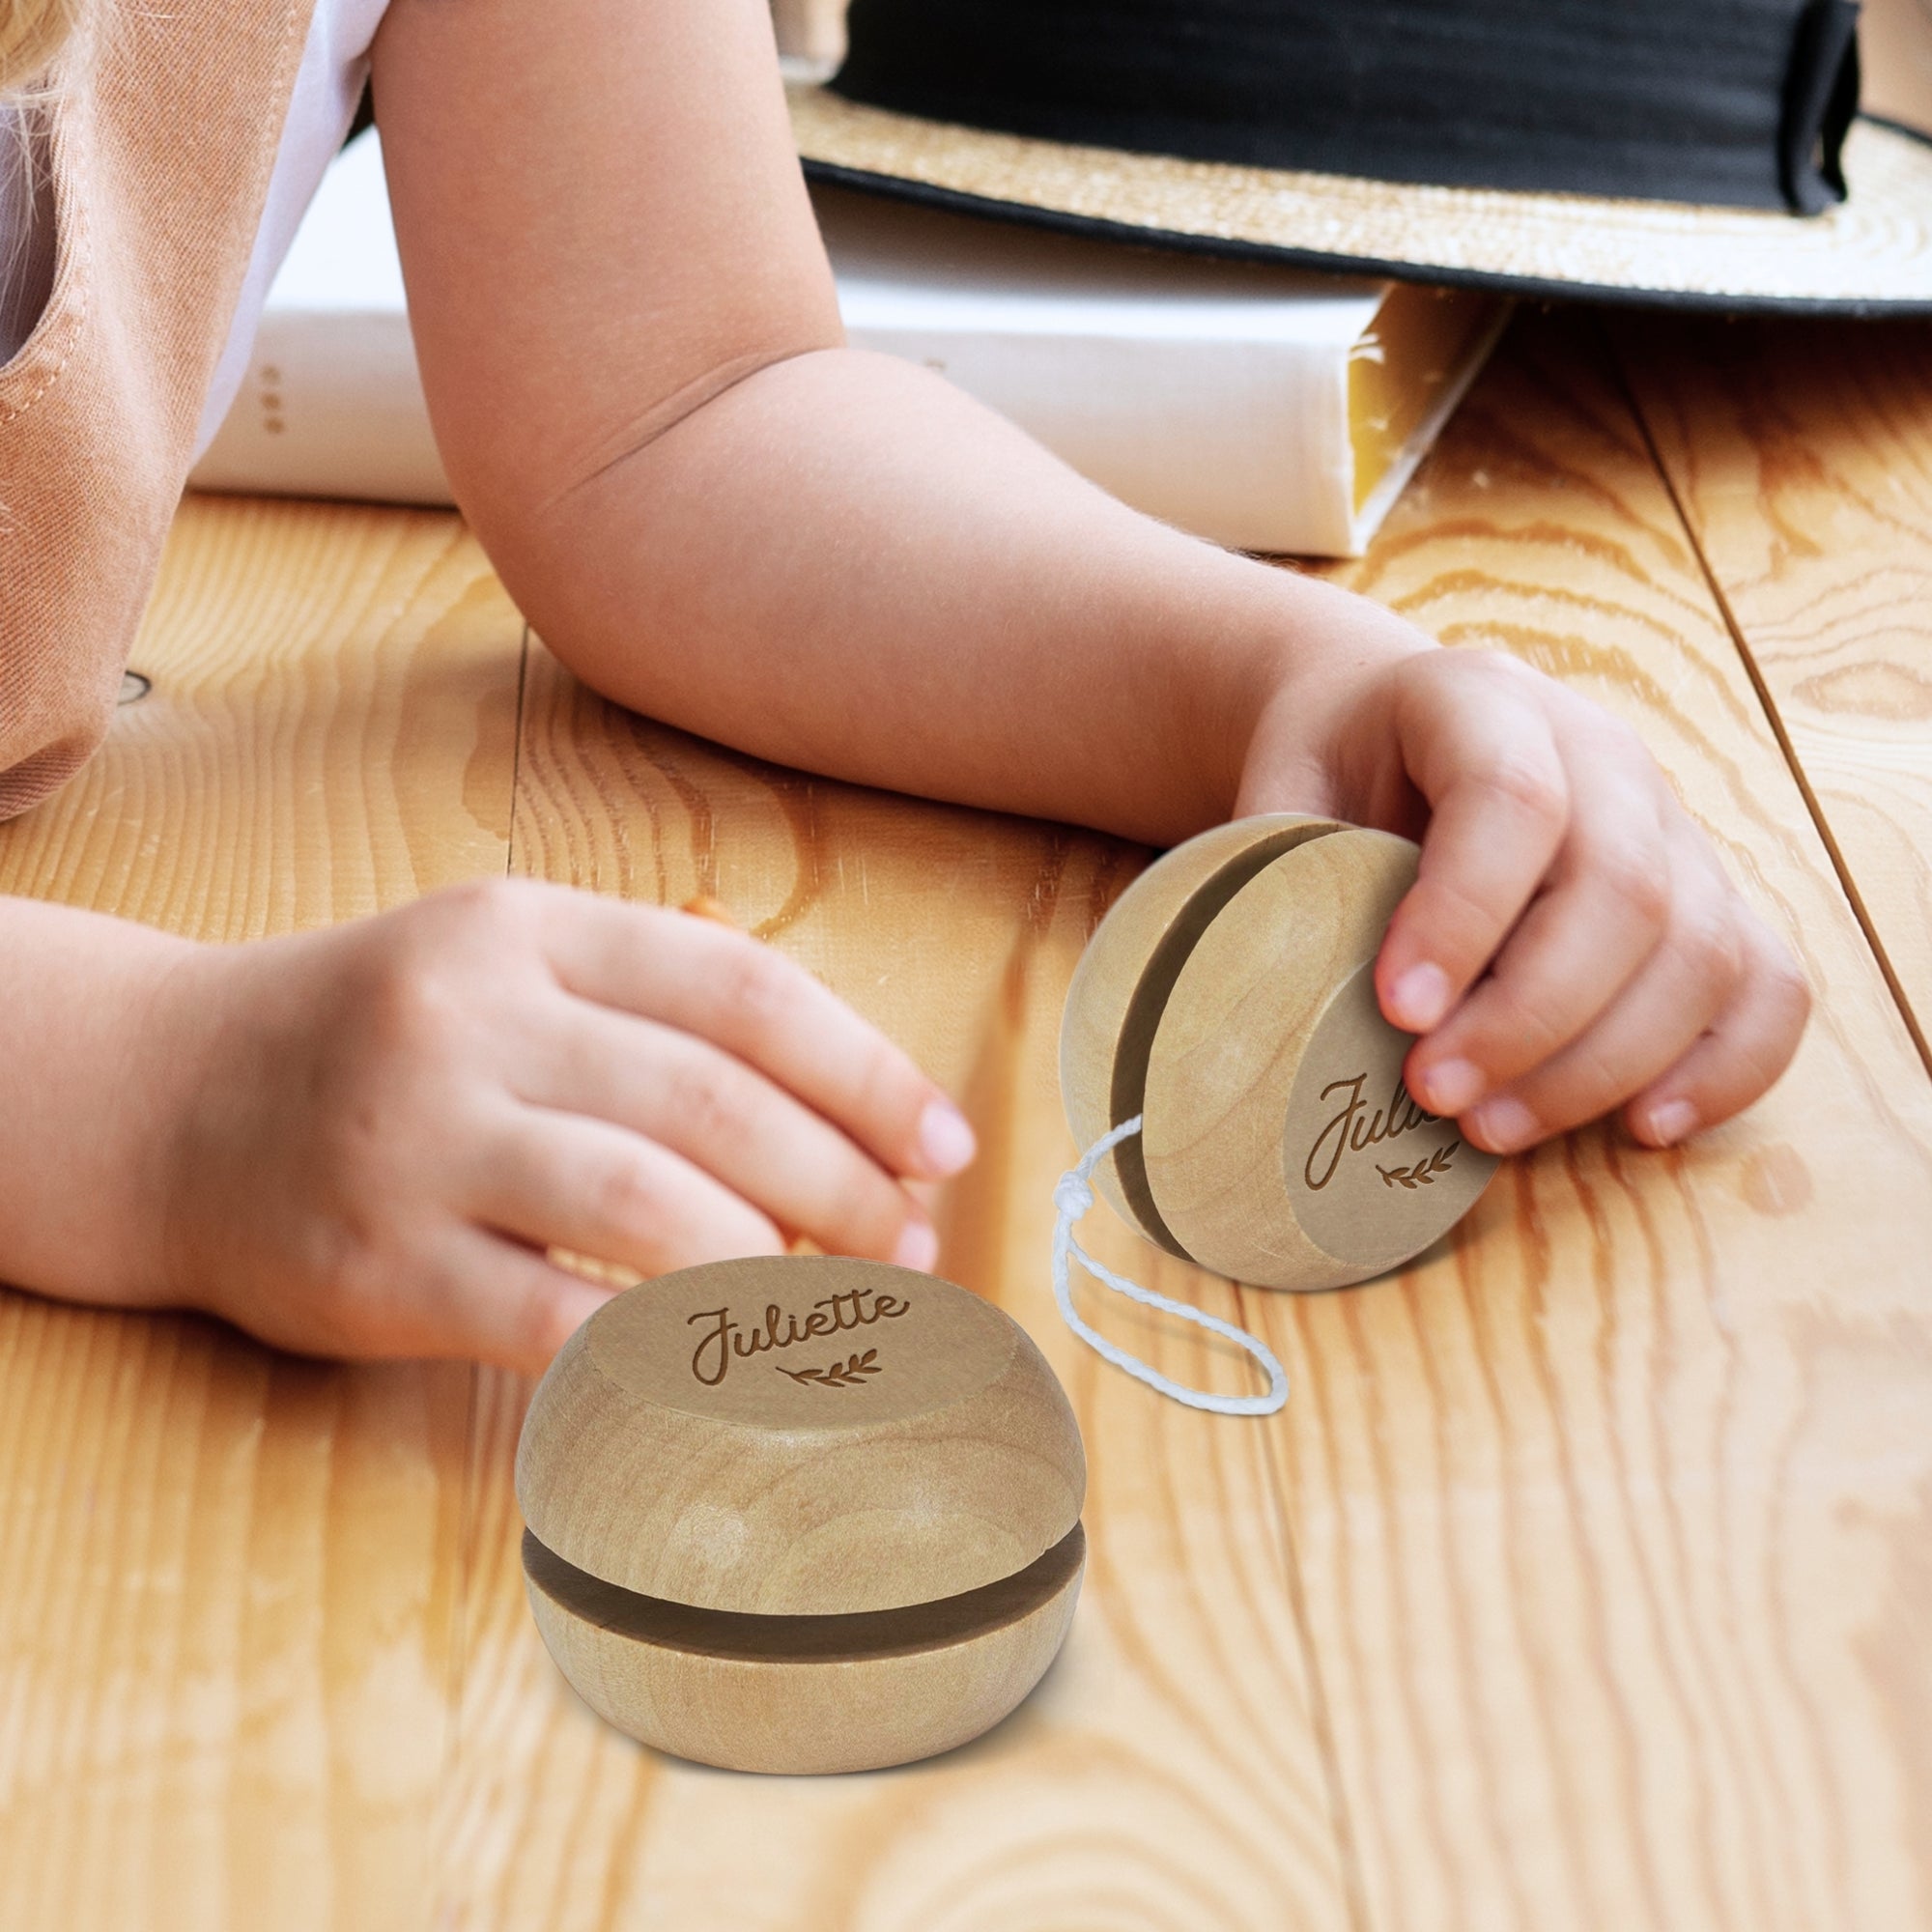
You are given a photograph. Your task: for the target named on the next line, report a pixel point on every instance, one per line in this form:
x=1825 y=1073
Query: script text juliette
x=1354 y=1129
x=724 y=1338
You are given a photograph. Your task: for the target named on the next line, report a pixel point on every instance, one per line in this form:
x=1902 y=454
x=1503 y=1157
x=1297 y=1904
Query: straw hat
x=1701 y=152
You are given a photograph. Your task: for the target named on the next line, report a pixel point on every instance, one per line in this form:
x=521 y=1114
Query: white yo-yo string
x=1072 y=1196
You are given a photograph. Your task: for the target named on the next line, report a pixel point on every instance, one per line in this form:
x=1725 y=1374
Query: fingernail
x=946 y=1142
x=1670 y=1123
x=918 y=1247
x=1420 y=997
x=1453 y=1088
x=1503 y=1124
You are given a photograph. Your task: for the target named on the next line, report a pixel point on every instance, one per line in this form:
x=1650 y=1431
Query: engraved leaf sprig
x=840 y=1374
x=1423 y=1173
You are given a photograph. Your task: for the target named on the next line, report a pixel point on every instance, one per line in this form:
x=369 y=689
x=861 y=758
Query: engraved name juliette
x=858 y=1308
x=1354 y=1129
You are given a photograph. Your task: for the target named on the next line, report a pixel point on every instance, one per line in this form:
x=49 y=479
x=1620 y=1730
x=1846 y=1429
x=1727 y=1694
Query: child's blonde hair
x=32 y=32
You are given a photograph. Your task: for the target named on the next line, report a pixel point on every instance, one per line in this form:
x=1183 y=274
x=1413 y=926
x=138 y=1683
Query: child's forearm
x=789 y=570
x=627 y=332
x=629 y=338
x=87 y=1062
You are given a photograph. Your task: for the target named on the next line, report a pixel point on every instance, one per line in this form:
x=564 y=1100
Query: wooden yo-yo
x=1228 y=998
x=801 y=1514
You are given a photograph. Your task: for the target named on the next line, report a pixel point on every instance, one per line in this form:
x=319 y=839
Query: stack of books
x=1265 y=408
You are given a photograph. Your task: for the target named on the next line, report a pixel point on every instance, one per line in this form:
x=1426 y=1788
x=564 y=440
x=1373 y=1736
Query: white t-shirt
x=334 y=66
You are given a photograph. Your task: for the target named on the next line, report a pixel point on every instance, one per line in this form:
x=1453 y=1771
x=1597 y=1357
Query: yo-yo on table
x=1584 y=1579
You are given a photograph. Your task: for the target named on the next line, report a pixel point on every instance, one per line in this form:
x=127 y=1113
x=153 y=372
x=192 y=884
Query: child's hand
x=389 y=1123
x=1572 y=943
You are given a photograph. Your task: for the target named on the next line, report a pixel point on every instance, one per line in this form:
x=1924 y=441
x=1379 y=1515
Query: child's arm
x=717 y=514
x=362 y=1141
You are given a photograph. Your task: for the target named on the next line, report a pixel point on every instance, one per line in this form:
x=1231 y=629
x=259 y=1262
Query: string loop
x=1072 y=1197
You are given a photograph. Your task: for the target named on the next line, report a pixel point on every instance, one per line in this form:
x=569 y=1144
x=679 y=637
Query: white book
x=1265 y=408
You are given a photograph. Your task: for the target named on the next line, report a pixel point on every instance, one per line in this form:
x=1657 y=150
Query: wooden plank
x=230 y=1573
x=1614 y=1520
x=1801 y=456
x=1169 y=1771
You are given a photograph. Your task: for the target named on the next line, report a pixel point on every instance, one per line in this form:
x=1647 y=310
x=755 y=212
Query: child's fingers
x=1738 y=1056
x=513 y=1307
x=770 y=1012
x=1483 y=753
x=1687 y=981
x=689 y=1095
x=1575 y=949
x=560 y=1181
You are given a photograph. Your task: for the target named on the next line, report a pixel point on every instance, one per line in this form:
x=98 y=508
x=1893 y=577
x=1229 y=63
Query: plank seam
x=1348 y=1854
x=468 y=1510
x=469 y=1503
x=1767 y=702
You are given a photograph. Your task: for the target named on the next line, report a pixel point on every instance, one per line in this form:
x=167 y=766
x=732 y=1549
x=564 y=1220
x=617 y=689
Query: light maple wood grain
x=1124 y=982
x=1271 y=1043
x=230 y=1574
x=795 y=1695
x=664 y=1458
x=1168 y=1772
x=757 y=1547
x=1614 y=1522
x=1802 y=457
x=1225 y=1007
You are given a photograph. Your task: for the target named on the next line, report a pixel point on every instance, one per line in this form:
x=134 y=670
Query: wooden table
x=1586 y=1580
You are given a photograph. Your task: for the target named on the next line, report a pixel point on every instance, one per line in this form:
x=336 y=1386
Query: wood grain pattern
x=664 y=1455
x=1273 y=1078
x=1168 y=1771
x=806 y=1694
x=1802 y=458
x=741 y=1556
x=1614 y=1521
x=231 y=1575
x=1125 y=978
